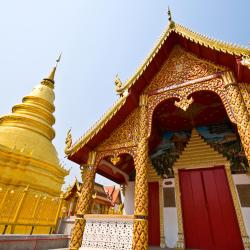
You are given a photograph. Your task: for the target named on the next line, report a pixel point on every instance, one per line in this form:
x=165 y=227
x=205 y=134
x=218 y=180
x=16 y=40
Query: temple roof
x=108 y=194
x=114 y=194
x=188 y=34
x=219 y=52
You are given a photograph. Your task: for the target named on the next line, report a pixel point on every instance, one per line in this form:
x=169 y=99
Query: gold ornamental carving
x=68 y=140
x=184 y=90
x=141 y=164
x=184 y=103
x=84 y=203
x=114 y=153
x=126 y=135
x=240 y=110
x=119 y=87
x=140 y=235
x=245 y=92
x=181 y=66
x=115 y=159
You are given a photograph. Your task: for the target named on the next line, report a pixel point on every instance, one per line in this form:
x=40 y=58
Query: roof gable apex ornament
x=170 y=20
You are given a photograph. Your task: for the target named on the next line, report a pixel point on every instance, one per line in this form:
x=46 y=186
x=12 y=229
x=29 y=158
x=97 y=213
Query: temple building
x=31 y=176
x=106 y=199
x=178 y=140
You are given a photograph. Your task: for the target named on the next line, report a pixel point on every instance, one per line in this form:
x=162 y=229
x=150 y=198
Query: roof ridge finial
x=169 y=15
x=170 y=20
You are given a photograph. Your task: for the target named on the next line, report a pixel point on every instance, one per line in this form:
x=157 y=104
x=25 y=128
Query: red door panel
x=209 y=217
x=188 y=207
x=203 y=233
x=232 y=229
x=217 y=224
x=153 y=214
x=195 y=217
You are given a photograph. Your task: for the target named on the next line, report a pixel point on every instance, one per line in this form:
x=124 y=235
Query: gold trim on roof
x=172 y=27
x=206 y=41
x=196 y=37
x=96 y=127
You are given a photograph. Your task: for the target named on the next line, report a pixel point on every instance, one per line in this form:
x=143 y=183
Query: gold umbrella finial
x=58 y=59
x=53 y=71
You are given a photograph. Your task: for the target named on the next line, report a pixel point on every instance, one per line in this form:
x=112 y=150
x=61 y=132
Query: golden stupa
x=27 y=155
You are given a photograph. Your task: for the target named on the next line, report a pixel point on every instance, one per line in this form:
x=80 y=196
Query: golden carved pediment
x=181 y=66
x=125 y=135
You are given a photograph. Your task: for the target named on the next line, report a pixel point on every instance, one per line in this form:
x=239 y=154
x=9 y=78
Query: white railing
x=104 y=231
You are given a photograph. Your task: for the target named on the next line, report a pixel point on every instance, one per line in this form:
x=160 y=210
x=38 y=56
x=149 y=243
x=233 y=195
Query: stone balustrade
x=104 y=231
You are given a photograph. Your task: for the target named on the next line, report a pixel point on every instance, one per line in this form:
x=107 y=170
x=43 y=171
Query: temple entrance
x=201 y=136
x=209 y=218
x=154 y=214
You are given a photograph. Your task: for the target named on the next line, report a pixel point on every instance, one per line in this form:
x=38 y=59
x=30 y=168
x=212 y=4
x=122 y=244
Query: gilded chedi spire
x=26 y=137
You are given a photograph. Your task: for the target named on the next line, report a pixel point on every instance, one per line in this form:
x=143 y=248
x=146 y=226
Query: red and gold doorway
x=209 y=218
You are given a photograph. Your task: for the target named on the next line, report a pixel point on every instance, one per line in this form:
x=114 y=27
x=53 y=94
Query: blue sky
x=98 y=39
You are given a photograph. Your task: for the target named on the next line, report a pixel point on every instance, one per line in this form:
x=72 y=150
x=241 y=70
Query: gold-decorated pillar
x=140 y=234
x=84 y=203
x=239 y=109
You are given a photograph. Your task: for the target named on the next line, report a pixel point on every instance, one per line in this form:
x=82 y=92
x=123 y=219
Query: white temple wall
x=170 y=218
x=246 y=217
x=129 y=198
x=170 y=226
x=243 y=179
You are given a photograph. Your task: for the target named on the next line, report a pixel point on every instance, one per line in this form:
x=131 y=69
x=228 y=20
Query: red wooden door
x=209 y=217
x=153 y=214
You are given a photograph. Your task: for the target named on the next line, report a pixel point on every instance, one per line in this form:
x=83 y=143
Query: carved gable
x=125 y=135
x=181 y=66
